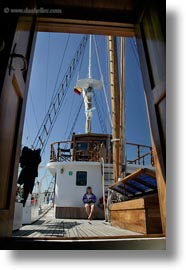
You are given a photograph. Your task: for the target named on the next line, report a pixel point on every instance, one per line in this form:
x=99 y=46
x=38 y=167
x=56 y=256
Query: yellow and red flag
x=78 y=90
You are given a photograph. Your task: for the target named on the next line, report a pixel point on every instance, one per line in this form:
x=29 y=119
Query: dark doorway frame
x=118 y=21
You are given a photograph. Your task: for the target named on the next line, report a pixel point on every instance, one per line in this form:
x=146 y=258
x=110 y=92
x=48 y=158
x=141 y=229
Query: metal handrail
x=57 y=154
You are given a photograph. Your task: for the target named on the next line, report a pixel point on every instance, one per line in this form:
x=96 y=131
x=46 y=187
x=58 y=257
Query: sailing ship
x=93 y=159
x=135 y=205
x=87 y=160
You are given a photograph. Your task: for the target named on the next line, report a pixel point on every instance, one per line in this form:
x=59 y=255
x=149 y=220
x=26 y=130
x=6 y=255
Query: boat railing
x=66 y=151
x=142 y=154
x=70 y=151
x=61 y=151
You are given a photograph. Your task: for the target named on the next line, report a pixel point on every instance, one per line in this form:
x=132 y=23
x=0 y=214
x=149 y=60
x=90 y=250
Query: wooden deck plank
x=88 y=229
x=49 y=227
x=71 y=232
x=96 y=229
x=30 y=230
x=76 y=231
x=56 y=229
x=81 y=230
x=105 y=231
x=102 y=229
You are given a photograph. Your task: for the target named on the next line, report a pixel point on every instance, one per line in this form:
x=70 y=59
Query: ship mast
x=122 y=161
x=115 y=105
x=88 y=85
x=118 y=106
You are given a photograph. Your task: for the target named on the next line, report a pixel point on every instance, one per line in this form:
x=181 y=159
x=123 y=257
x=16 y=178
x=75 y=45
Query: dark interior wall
x=7 y=30
x=126 y=11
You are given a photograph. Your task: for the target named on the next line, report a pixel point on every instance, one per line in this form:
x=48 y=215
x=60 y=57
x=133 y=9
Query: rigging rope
x=55 y=87
x=46 y=82
x=135 y=53
x=69 y=114
x=33 y=108
x=104 y=89
x=77 y=115
x=28 y=132
x=133 y=46
x=102 y=122
x=80 y=65
x=75 y=120
x=57 y=101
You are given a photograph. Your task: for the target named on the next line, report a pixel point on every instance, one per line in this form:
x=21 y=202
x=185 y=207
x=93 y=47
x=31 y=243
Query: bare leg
x=91 y=212
x=87 y=208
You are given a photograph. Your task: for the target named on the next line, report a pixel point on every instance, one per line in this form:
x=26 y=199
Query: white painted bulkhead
x=67 y=192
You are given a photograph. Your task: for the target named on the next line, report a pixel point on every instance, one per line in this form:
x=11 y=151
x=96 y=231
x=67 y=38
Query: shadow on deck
x=49 y=227
x=66 y=234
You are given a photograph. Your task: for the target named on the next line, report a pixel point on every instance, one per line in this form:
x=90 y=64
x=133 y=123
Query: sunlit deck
x=48 y=227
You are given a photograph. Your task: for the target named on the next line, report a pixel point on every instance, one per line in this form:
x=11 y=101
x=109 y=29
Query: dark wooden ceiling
x=105 y=17
x=123 y=11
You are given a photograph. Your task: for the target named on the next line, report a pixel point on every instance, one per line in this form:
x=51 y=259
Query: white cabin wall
x=67 y=193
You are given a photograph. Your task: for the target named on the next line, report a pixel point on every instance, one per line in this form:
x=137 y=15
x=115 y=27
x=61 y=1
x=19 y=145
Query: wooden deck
x=50 y=228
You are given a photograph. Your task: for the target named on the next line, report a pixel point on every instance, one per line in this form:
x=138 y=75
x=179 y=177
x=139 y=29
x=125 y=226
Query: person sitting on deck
x=89 y=200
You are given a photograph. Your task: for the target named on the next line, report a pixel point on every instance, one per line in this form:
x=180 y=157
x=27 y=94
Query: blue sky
x=49 y=52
